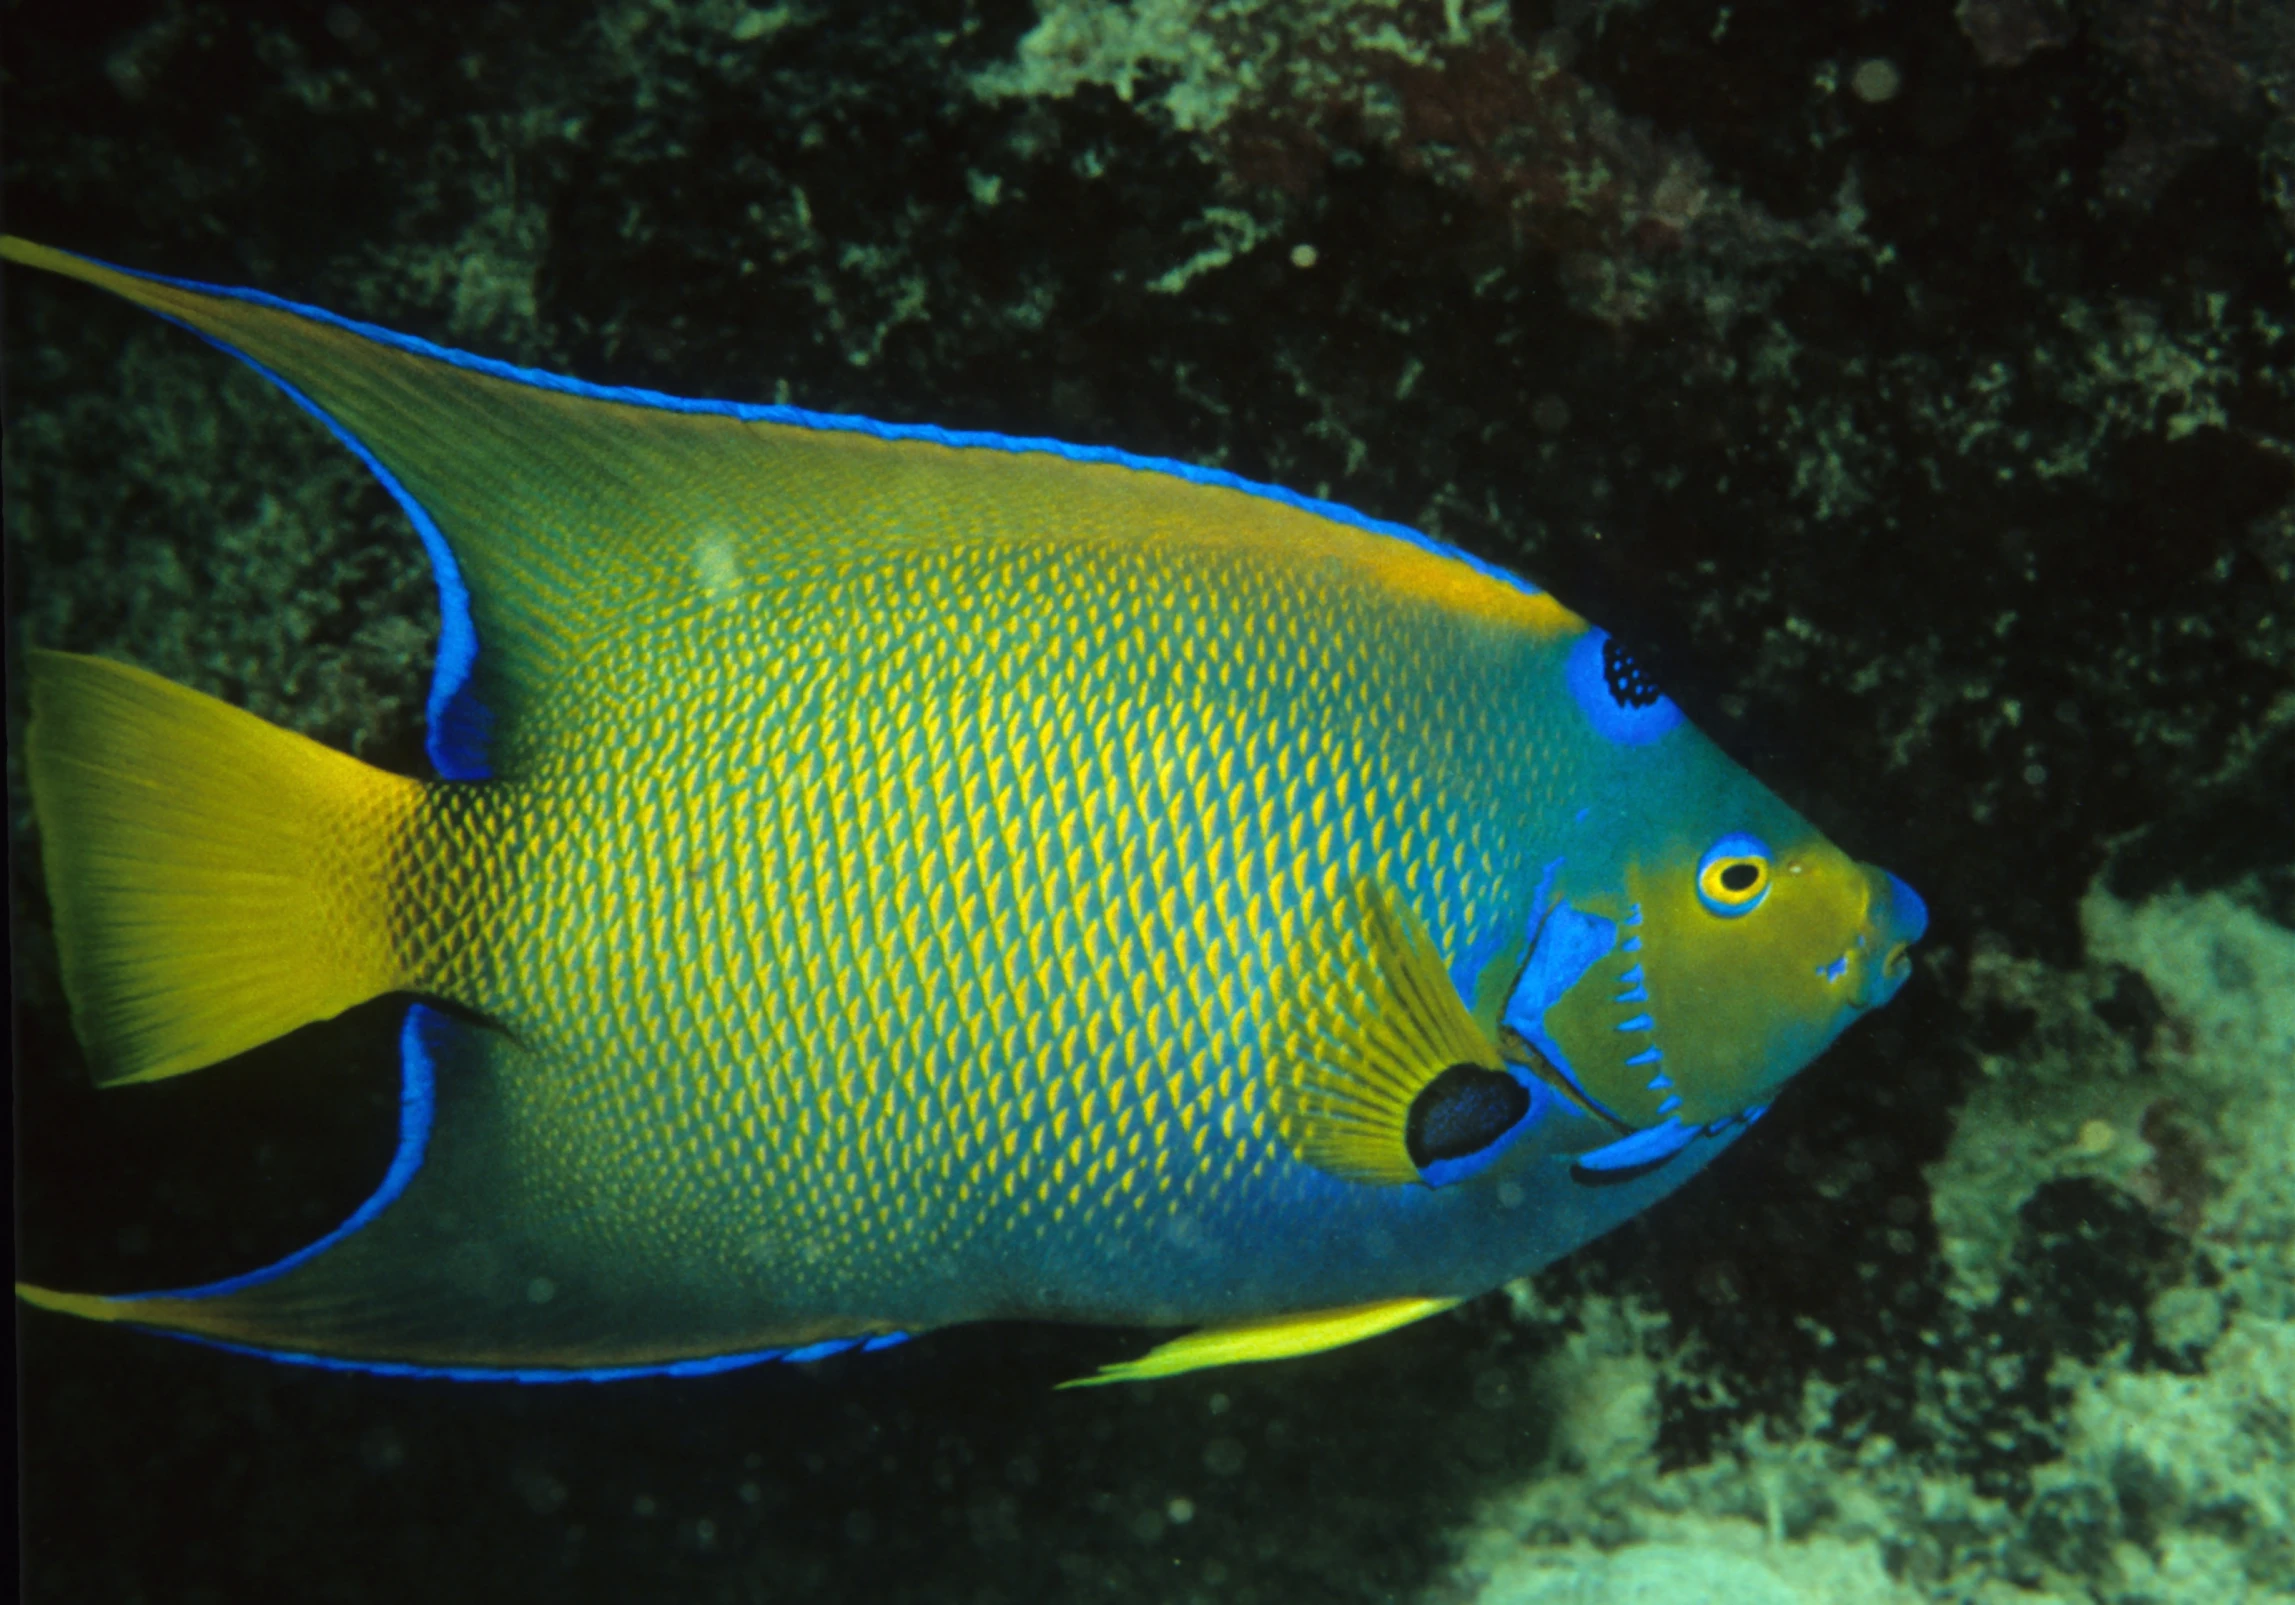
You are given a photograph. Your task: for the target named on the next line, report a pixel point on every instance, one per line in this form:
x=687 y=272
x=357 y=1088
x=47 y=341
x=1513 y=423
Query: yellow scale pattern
x=893 y=923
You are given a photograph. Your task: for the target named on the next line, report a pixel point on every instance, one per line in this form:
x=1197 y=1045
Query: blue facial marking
x=1645 y=1147
x=1569 y=943
x=1835 y=970
x=1660 y=1083
x=1617 y=697
x=1744 y=1117
x=1633 y=994
x=820 y=1351
x=1646 y=1056
x=1632 y=944
x=1640 y=1022
x=1908 y=912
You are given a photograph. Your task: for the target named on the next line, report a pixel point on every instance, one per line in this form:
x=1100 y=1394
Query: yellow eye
x=1733 y=876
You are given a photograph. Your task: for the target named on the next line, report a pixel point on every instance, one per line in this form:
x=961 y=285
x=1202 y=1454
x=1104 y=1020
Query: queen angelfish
x=878 y=877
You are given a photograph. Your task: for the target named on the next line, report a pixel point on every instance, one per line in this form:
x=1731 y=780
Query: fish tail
x=216 y=881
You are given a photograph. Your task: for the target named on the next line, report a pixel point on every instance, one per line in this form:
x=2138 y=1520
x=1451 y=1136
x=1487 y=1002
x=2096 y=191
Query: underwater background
x=1917 y=381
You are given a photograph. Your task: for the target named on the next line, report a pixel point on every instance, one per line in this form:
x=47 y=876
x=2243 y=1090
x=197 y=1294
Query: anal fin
x=1279 y=1337
x=467 y=1264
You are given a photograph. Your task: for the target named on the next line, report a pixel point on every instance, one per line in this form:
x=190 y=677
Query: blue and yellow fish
x=879 y=877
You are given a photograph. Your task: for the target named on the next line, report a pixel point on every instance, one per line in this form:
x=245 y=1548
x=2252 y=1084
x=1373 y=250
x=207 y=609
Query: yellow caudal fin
x=1280 y=1337
x=216 y=881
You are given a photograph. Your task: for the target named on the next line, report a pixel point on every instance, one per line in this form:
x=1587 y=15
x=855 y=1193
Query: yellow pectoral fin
x=1279 y=1337
x=1366 y=1021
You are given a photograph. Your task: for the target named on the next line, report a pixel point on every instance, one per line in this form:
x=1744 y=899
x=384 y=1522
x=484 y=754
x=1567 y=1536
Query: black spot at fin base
x=1461 y=1112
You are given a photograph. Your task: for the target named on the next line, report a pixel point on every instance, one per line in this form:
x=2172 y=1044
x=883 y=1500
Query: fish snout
x=1895 y=919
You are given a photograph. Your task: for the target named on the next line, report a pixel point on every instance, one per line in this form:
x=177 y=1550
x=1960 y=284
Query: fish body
x=885 y=878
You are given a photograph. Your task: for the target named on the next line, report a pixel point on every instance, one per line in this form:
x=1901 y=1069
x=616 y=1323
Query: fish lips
x=1881 y=955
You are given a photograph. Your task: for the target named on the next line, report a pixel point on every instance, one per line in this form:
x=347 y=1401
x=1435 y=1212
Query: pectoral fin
x=1279 y=1337
x=1377 y=1057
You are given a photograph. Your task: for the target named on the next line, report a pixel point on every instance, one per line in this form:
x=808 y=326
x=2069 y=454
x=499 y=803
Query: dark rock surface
x=1920 y=385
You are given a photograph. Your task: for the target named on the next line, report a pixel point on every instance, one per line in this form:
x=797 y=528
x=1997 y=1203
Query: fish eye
x=1733 y=876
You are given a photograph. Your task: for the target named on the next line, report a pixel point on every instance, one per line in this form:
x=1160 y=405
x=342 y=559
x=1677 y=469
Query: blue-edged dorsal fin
x=474 y=1261
x=517 y=490
x=556 y=511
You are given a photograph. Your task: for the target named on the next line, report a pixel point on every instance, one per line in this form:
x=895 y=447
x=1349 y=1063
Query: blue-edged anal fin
x=463 y=1264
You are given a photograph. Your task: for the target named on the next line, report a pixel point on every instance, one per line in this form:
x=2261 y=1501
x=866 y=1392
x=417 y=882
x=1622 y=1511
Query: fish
x=875 y=877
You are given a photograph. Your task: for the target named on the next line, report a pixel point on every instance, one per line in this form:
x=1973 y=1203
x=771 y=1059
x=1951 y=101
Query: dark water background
x=1933 y=424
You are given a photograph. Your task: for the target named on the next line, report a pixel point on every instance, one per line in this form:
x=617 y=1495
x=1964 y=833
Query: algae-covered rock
x=2168 y=1465
x=1736 y=1566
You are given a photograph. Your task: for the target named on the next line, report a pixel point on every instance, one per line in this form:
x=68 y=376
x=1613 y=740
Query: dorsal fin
x=531 y=500
x=553 y=509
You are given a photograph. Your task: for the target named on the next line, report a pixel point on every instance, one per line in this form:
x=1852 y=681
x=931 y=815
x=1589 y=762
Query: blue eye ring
x=1733 y=876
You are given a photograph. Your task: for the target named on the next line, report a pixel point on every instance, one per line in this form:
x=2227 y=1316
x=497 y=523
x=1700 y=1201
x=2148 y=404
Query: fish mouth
x=1880 y=955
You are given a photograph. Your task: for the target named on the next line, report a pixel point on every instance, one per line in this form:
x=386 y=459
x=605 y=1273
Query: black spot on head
x=1462 y=1111
x=1629 y=682
x=1740 y=877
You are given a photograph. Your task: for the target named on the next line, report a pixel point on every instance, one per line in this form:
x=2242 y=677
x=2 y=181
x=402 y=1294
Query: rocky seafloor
x=1917 y=381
